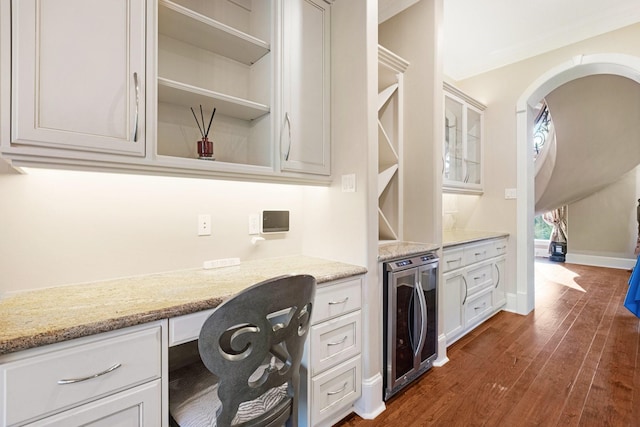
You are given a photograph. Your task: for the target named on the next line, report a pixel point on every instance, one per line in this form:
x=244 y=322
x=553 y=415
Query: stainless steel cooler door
x=428 y=278
x=402 y=336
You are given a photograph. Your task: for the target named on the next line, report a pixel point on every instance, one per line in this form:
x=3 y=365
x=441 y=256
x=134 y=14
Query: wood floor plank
x=573 y=361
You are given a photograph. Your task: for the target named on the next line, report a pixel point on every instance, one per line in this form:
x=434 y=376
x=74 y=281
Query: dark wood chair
x=250 y=349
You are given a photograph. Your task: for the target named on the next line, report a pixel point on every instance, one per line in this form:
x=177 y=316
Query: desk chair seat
x=250 y=348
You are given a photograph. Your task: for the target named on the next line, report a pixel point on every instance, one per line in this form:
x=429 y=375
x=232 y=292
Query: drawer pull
x=90 y=377
x=480 y=253
x=337 y=342
x=331 y=393
x=339 y=302
x=449 y=261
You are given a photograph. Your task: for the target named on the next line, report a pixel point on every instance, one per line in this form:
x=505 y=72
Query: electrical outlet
x=204 y=225
x=254 y=224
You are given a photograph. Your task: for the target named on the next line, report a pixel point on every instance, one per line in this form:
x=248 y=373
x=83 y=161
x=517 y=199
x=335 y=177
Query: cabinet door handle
x=331 y=393
x=337 y=342
x=135 y=120
x=466 y=289
x=339 y=302
x=90 y=377
x=287 y=120
x=498 y=271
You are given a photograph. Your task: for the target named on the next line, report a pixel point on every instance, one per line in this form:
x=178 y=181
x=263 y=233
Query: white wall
x=605 y=224
x=61 y=227
x=499 y=90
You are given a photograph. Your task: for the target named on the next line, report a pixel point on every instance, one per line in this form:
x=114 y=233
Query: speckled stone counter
x=35 y=318
x=459 y=237
x=394 y=250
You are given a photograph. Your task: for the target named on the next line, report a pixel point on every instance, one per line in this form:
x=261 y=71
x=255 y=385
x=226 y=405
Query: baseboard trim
x=370 y=404
x=442 y=351
x=601 y=261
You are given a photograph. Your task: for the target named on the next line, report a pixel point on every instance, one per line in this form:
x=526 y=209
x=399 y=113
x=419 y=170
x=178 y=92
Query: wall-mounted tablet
x=275 y=221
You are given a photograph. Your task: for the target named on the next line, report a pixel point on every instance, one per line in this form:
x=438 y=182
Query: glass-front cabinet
x=462 y=154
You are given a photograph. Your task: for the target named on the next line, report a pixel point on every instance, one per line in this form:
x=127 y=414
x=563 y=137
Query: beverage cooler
x=410 y=324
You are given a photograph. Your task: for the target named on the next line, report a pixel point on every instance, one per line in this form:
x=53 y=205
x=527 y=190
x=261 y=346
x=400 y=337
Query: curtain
x=557 y=219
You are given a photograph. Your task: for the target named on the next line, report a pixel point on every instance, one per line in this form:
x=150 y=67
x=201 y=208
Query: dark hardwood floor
x=573 y=361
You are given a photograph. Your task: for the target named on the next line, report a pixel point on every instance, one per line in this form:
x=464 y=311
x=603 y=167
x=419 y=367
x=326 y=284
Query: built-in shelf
x=384 y=96
x=390 y=123
x=181 y=23
x=188 y=96
x=384 y=178
x=385 y=230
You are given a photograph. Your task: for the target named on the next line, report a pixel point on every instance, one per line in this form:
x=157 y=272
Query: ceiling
x=484 y=35
x=479 y=36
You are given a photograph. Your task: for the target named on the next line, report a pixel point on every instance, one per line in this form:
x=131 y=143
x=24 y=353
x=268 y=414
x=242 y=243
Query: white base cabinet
x=332 y=360
x=473 y=285
x=111 y=379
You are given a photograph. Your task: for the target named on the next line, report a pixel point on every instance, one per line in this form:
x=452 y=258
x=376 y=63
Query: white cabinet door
x=462 y=150
x=499 y=279
x=305 y=129
x=78 y=75
x=137 y=407
x=455 y=293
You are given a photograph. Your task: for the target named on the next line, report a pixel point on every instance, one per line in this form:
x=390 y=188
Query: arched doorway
x=579 y=66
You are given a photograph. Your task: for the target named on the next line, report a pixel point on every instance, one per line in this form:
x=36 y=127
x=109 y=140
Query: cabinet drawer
x=337 y=299
x=187 y=328
x=477 y=252
x=139 y=406
x=479 y=278
x=499 y=247
x=452 y=259
x=335 y=389
x=335 y=341
x=477 y=307
x=95 y=368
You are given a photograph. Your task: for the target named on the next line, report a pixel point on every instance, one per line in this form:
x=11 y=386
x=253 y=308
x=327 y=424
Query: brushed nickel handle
x=90 y=377
x=288 y=121
x=337 y=342
x=480 y=277
x=498 y=271
x=331 y=393
x=449 y=261
x=466 y=289
x=339 y=302
x=135 y=121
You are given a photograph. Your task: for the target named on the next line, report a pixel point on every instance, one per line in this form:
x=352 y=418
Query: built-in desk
x=120 y=330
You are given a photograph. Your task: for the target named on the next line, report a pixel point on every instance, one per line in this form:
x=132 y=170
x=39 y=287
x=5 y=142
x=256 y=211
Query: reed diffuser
x=205 y=147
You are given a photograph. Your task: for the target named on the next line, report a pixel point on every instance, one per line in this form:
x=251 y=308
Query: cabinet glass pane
x=473 y=146
x=453 y=144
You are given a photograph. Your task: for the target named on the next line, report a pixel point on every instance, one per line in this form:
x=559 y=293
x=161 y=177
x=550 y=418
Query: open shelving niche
x=391 y=70
x=215 y=54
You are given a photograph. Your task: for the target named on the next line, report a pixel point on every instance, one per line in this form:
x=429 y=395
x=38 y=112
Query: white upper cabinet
x=305 y=128
x=462 y=151
x=215 y=54
x=111 y=85
x=78 y=77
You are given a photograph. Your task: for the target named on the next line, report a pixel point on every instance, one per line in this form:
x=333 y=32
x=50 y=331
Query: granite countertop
x=394 y=250
x=459 y=237
x=35 y=318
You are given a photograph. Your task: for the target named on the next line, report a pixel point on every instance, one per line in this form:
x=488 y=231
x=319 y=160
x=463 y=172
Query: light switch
x=510 y=193
x=349 y=183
